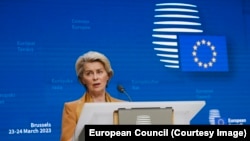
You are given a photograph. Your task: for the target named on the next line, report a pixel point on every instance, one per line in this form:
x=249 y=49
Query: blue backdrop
x=147 y=43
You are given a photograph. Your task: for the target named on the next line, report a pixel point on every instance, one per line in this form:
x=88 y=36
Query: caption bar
x=210 y=132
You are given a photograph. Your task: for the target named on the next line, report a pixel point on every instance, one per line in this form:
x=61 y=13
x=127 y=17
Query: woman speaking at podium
x=94 y=71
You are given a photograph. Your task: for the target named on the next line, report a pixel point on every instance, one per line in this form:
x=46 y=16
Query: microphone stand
x=122 y=90
x=127 y=95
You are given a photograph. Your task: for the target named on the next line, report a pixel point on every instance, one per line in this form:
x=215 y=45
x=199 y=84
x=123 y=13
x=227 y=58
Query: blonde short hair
x=92 y=56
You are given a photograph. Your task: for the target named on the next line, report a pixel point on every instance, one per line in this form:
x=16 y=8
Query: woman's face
x=95 y=77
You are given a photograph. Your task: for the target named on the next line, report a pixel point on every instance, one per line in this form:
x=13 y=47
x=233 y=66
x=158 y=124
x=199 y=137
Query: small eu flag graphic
x=203 y=53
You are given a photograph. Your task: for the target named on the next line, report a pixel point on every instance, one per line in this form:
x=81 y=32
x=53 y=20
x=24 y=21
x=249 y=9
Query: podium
x=175 y=112
x=142 y=116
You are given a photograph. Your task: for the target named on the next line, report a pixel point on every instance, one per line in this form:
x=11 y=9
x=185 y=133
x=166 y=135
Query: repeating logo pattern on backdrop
x=180 y=44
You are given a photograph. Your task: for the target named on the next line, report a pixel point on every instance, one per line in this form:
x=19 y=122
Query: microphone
x=121 y=89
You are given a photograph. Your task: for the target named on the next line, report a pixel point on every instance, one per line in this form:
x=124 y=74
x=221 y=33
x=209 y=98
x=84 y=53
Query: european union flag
x=220 y=121
x=203 y=53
